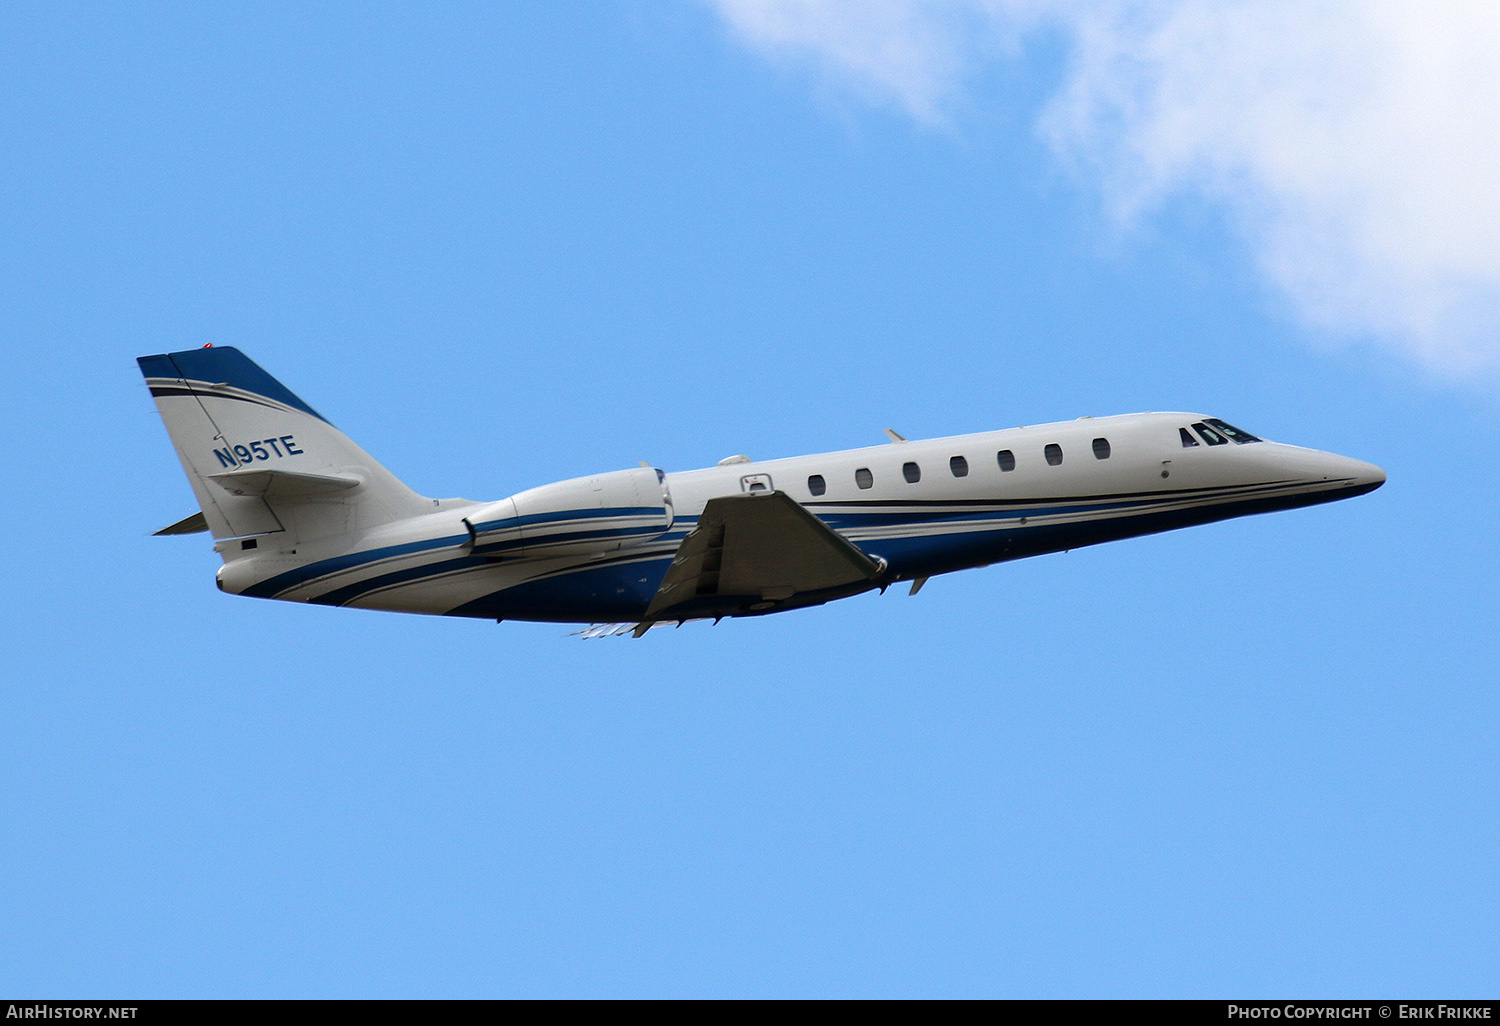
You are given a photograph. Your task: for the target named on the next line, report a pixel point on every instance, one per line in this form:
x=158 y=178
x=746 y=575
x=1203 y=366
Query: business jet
x=299 y=512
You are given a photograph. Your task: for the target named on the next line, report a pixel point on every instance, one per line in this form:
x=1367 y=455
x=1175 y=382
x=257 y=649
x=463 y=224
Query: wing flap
x=756 y=551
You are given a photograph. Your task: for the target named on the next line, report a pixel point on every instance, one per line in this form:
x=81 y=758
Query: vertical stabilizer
x=260 y=460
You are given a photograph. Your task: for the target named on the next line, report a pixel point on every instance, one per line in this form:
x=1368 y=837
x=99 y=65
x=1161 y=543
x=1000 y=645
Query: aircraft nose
x=1326 y=474
x=1353 y=477
x=1372 y=475
x=1364 y=477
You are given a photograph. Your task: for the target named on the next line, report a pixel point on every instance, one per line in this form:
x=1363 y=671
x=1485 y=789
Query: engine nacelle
x=577 y=517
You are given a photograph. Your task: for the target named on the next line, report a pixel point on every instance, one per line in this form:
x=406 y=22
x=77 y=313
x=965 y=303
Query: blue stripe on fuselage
x=350 y=592
x=572 y=514
x=569 y=538
x=621 y=583
x=596 y=594
x=337 y=564
x=604 y=594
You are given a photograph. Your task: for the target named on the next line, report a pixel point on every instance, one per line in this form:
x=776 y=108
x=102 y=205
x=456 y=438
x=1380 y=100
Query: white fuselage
x=960 y=507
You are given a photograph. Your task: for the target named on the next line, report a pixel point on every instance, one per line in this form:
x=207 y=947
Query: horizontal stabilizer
x=282 y=483
x=195 y=524
x=753 y=552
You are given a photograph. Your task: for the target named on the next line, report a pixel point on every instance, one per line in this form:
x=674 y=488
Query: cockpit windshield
x=1235 y=434
x=1209 y=435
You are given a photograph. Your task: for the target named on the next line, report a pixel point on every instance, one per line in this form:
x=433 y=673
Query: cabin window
x=1101 y=448
x=1006 y=459
x=817 y=485
x=864 y=478
x=1188 y=441
x=1053 y=452
x=959 y=466
x=1210 y=436
x=1240 y=437
x=910 y=471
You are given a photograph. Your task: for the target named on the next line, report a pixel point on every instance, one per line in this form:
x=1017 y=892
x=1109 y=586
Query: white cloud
x=1356 y=143
x=913 y=54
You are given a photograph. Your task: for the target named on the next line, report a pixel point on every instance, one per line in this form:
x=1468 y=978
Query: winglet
x=892 y=434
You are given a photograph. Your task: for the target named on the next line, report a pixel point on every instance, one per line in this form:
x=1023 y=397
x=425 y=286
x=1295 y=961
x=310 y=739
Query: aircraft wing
x=759 y=552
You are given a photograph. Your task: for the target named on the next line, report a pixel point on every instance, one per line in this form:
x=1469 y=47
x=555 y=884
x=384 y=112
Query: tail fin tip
x=219 y=367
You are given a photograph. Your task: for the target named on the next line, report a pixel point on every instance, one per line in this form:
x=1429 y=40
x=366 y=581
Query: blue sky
x=500 y=248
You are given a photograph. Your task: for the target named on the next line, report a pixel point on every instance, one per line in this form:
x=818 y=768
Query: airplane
x=301 y=513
